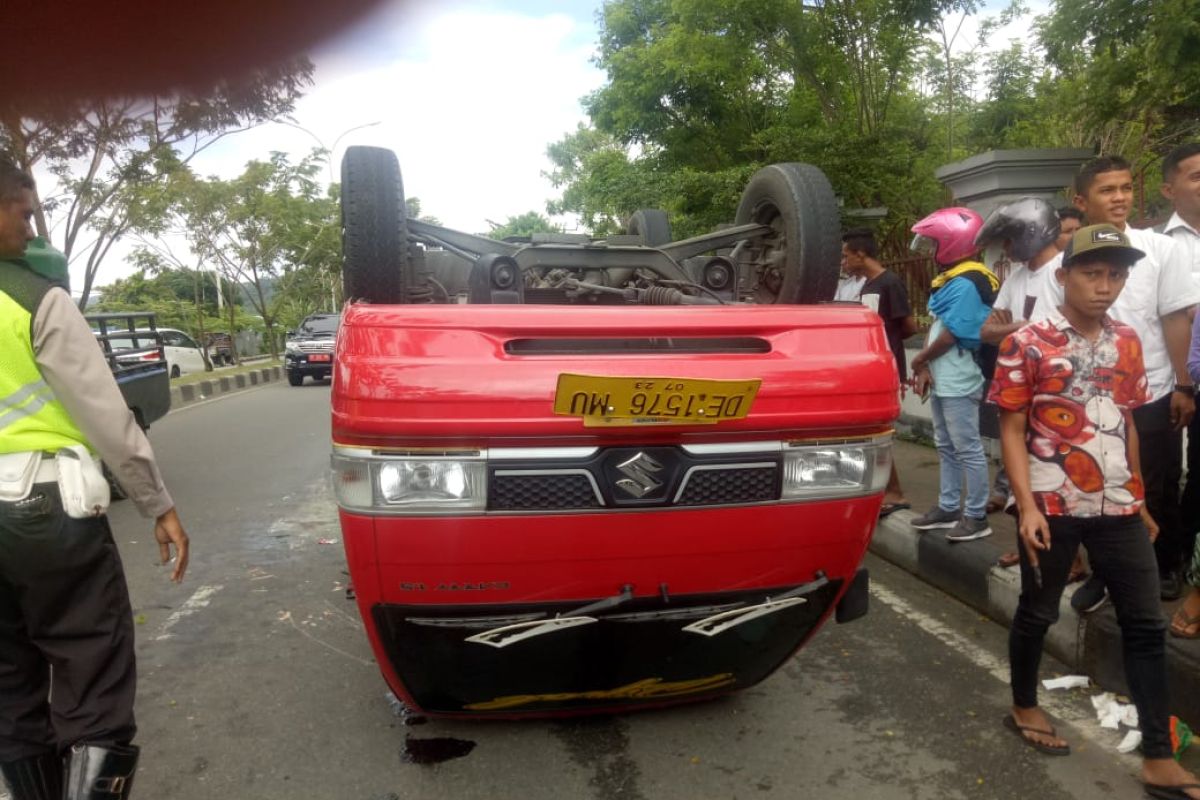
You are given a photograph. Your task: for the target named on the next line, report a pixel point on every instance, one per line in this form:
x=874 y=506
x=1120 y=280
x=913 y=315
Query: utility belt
x=81 y=483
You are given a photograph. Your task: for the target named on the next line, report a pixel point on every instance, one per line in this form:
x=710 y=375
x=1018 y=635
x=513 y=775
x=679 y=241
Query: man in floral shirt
x=1067 y=387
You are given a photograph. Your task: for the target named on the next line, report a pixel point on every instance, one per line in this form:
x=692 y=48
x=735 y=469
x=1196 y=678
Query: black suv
x=309 y=349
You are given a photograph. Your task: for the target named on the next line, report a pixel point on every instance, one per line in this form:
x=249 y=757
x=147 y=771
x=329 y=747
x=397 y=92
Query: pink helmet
x=948 y=234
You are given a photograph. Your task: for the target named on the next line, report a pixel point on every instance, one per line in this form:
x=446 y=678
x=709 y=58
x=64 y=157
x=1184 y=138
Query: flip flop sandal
x=1183 y=622
x=1160 y=792
x=1008 y=560
x=892 y=508
x=1041 y=747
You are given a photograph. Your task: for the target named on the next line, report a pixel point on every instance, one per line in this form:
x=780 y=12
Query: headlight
x=813 y=472
x=291 y=349
x=410 y=484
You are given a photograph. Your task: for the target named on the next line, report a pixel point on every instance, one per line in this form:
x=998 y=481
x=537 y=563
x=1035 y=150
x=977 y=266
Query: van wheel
x=295 y=378
x=375 y=257
x=652 y=224
x=798 y=261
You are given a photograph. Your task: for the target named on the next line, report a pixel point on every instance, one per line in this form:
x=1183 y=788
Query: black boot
x=34 y=778
x=100 y=773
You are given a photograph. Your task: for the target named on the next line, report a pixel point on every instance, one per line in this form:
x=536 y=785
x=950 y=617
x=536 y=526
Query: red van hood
x=477 y=375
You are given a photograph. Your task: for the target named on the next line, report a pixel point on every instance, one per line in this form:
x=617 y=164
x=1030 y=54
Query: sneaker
x=1089 y=597
x=937 y=518
x=969 y=529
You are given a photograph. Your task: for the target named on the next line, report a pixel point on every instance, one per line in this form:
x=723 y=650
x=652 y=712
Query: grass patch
x=915 y=438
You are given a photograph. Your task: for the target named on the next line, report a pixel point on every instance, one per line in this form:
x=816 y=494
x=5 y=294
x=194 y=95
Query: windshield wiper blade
x=519 y=632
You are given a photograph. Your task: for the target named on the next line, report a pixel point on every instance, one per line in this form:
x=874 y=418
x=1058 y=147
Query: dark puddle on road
x=435 y=750
x=432 y=750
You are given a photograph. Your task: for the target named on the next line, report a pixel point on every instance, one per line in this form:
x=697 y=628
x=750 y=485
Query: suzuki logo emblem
x=639 y=473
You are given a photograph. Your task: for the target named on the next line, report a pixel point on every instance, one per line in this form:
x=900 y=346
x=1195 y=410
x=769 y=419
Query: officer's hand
x=168 y=530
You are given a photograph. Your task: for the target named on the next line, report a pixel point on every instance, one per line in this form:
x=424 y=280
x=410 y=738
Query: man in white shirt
x=1181 y=185
x=1028 y=230
x=1157 y=302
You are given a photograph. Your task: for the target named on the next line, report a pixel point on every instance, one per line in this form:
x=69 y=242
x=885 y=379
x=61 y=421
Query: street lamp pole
x=340 y=136
x=329 y=166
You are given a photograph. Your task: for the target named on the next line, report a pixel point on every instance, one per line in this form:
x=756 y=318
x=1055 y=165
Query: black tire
x=295 y=378
x=798 y=263
x=375 y=259
x=652 y=224
x=175 y=373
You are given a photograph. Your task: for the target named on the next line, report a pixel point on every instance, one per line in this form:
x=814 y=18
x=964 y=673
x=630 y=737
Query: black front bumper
x=636 y=654
x=300 y=365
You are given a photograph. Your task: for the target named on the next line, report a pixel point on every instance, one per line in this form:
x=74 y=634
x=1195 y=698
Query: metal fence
x=917 y=273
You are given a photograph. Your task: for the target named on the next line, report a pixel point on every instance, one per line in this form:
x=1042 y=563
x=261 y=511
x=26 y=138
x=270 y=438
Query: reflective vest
x=31 y=417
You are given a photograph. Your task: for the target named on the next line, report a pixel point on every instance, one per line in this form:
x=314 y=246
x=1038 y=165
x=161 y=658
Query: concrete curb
x=1088 y=644
x=224 y=384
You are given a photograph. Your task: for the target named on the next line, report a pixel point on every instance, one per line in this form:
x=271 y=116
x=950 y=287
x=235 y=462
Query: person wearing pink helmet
x=960 y=301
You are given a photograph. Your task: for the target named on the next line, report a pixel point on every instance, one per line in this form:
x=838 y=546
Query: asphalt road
x=257 y=681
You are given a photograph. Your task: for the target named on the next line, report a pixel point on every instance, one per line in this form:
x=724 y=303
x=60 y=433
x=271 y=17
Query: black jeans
x=1121 y=555
x=63 y=601
x=1189 y=505
x=1161 y=452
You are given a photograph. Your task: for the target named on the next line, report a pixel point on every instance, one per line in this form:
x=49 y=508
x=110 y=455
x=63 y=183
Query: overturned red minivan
x=581 y=475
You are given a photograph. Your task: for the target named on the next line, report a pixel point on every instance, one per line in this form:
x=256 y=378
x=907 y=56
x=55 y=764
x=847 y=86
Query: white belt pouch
x=17 y=471
x=84 y=489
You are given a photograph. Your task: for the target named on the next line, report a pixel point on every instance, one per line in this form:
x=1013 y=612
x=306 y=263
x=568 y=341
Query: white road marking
x=1058 y=706
x=199 y=599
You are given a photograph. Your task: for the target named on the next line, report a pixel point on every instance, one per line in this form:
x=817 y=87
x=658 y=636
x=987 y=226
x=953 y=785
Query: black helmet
x=1028 y=224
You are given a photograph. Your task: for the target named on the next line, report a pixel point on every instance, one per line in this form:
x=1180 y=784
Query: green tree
x=1140 y=63
x=600 y=181
x=700 y=93
x=272 y=231
x=412 y=208
x=1127 y=79
x=526 y=224
x=107 y=154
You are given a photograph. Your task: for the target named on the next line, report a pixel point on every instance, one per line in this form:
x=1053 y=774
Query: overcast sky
x=468 y=97
x=468 y=93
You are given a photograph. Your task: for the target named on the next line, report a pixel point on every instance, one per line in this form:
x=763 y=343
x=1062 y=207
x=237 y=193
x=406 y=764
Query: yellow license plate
x=604 y=400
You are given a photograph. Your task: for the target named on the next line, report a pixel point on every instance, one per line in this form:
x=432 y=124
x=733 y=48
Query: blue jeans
x=960 y=451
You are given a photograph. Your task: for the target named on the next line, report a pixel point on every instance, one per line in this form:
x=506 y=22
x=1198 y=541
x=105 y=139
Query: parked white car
x=183 y=352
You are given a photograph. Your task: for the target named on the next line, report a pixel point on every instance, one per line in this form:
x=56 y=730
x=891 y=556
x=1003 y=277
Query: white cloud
x=469 y=119
x=468 y=96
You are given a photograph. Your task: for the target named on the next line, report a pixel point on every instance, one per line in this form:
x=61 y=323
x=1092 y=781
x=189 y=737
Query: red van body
x=579 y=564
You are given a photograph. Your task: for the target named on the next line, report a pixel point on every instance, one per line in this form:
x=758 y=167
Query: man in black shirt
x=885 y=294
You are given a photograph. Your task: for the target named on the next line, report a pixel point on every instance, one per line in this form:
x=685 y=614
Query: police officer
x=65 y=732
